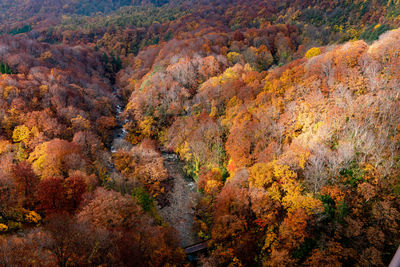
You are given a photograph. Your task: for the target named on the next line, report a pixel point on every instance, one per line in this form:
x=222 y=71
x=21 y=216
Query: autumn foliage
x=282 y=116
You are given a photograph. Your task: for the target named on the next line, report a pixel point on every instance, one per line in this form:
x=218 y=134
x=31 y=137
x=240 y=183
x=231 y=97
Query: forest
x=199 y=133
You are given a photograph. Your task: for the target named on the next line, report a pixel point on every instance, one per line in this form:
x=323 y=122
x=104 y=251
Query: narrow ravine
x=119 y=132
x=182 y=201
x=182 y=196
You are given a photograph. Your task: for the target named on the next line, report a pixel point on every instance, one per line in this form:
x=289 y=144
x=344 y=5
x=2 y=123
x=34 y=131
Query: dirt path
x=182 y=200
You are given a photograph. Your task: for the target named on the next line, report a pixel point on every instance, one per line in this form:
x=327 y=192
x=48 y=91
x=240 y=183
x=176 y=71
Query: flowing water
x=182 y=197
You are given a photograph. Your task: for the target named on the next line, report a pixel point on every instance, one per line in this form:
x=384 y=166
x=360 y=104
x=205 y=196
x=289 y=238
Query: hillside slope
x=285 y=115
x=310 y=148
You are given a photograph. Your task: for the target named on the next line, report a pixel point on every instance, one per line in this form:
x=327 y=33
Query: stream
x=119 y=131
x=182 y=196
x=182 y=201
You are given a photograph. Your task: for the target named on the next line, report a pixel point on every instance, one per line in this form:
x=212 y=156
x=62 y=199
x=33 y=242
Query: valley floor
x=182 y=200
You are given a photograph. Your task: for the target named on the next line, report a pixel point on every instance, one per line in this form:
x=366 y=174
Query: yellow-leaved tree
x=312 y=52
